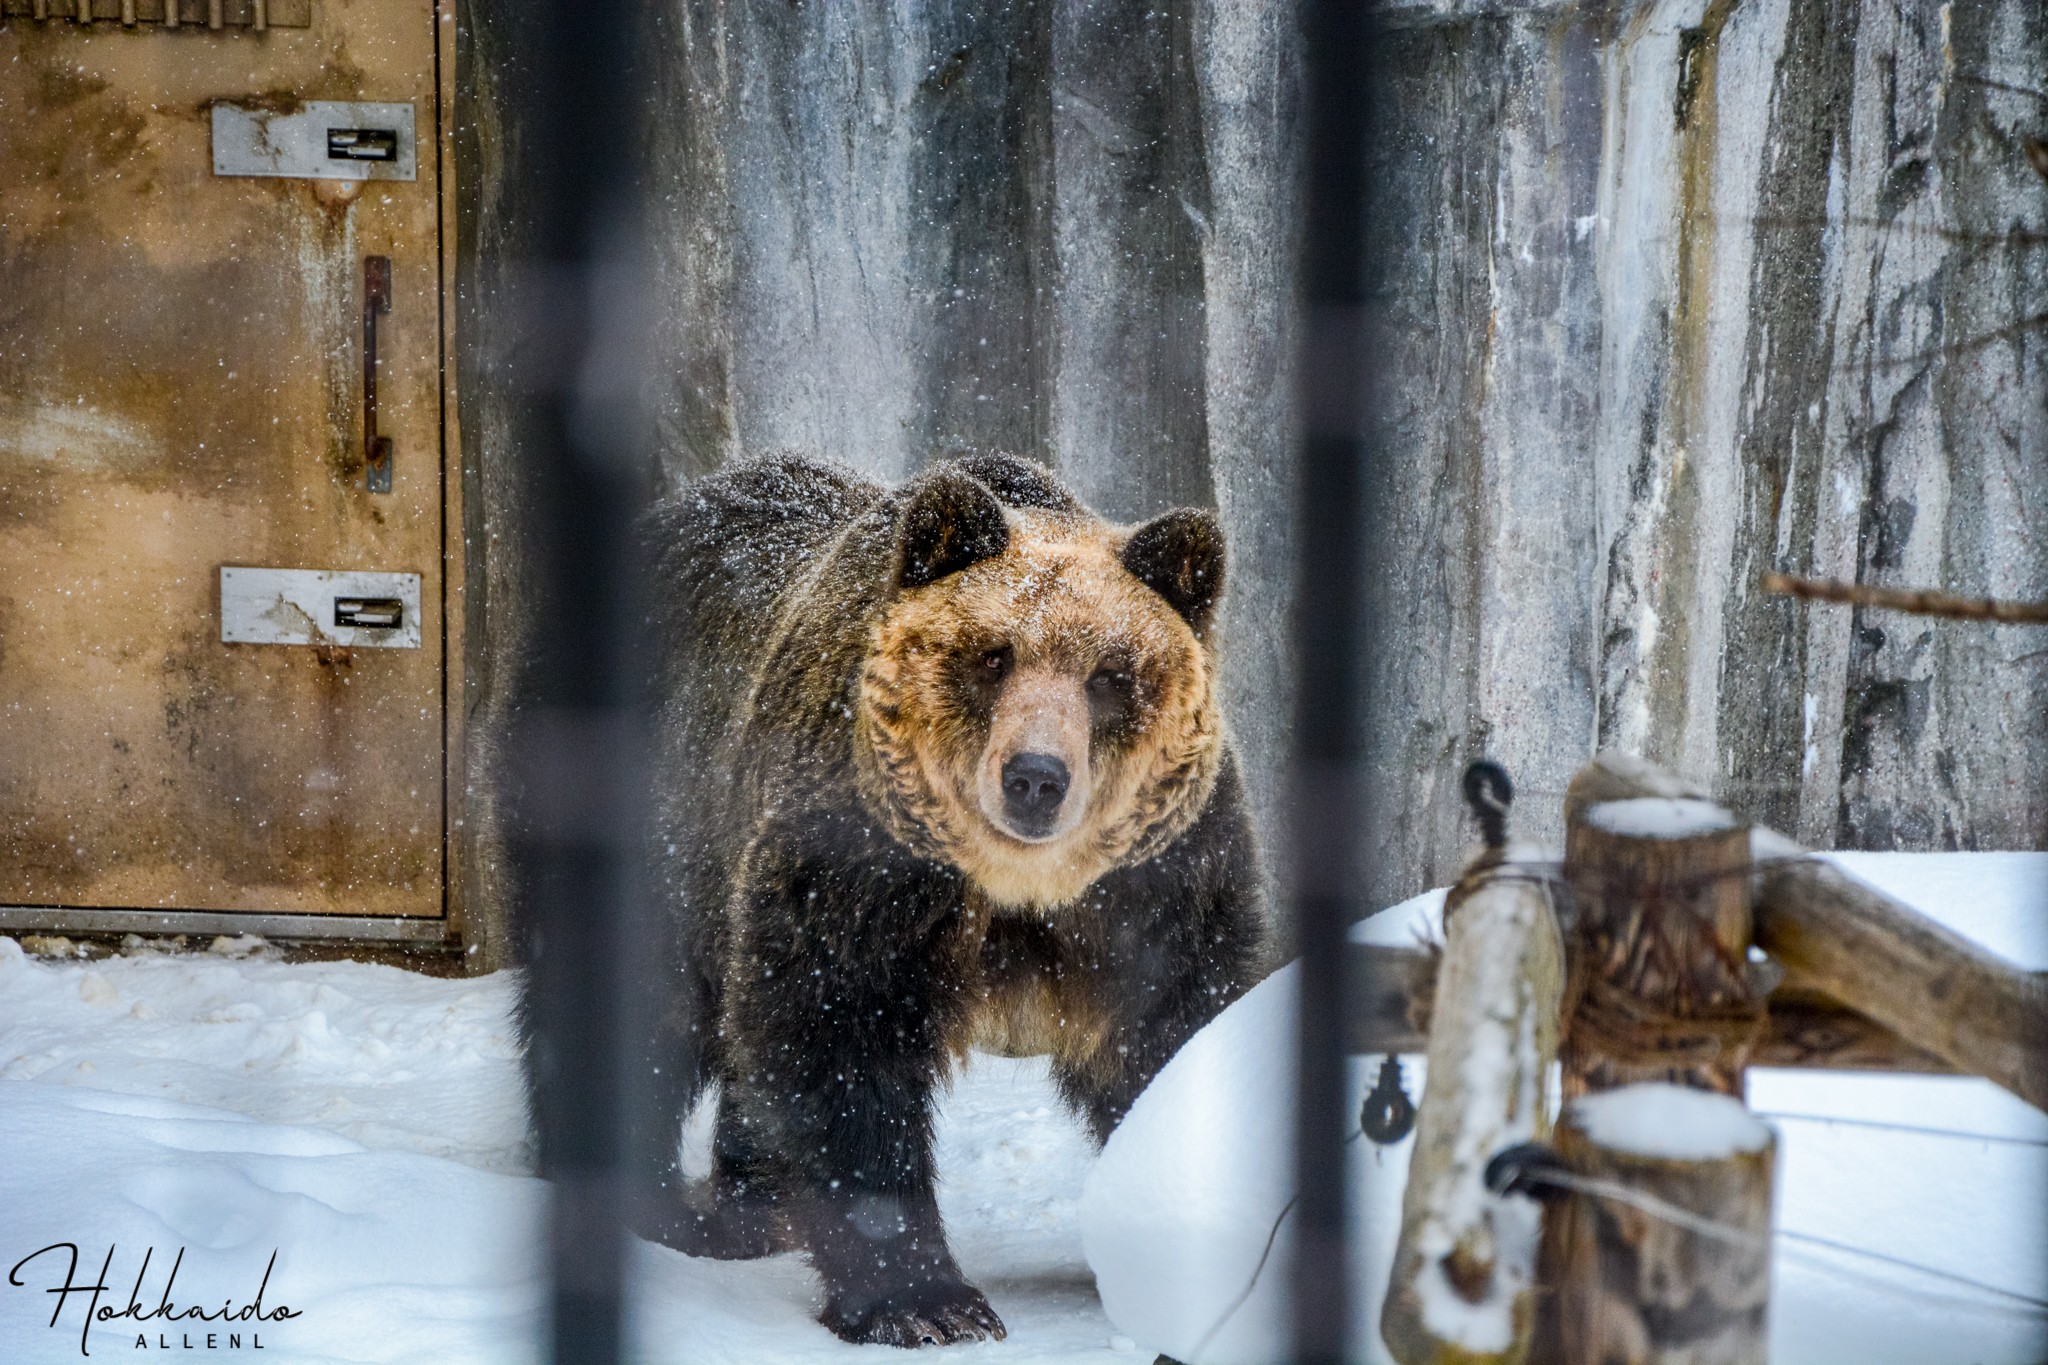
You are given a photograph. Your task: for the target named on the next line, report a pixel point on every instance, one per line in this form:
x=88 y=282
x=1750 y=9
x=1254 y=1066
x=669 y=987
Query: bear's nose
x=1033 y=787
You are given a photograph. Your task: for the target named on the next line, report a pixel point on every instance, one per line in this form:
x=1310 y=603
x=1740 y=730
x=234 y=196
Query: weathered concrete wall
x=1685 y=292
x=1679 y=291
x=1487 y=552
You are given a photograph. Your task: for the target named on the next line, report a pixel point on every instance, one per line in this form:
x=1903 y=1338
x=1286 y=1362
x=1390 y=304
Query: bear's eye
x=996 y=662
x=1109 y=682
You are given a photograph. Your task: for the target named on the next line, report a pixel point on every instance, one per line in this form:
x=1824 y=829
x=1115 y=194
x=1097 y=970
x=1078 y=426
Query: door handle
x=376 y=299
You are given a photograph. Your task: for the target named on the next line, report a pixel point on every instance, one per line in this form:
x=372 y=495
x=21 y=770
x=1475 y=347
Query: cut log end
x=1660 y=1250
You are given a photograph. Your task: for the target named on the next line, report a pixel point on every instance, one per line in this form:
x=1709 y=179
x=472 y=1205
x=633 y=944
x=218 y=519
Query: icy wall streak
x=1680 y=291
x=1486 y=544
x=1246 y=55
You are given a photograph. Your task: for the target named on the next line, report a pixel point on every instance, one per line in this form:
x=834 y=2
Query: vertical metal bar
x=1329 y=816
x=128 y=13
x=578 y=741
x=216 y=13
x=376 y=299
x=260 y=15
x=171 y=15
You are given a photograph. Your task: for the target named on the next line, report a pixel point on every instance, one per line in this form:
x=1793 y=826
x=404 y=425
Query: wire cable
x=1244 y=1295
x=1724 y=1232
x=1249 y=1285
x=1904 y=1128
x=2026 y=1300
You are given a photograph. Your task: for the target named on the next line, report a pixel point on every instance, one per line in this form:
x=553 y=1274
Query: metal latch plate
x=317 y=140
x=319 y=607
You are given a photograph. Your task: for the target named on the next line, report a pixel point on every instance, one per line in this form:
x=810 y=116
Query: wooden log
x=1392 y=989
x=1660 y=1251
x=1464 y=1268
x=1662 y=987
x=1806 y=1029
x=1931 y=986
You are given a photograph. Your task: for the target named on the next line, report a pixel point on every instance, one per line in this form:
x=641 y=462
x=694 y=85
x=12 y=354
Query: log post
x=1662 y=987
x=1660 y=1248
x=1464 y=1269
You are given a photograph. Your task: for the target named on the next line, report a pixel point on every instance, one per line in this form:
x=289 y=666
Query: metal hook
x=1388 y=1115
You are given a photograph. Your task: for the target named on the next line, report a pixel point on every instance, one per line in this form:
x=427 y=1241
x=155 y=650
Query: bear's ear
x=1180 y=557
x=950 y=523
x=1018 y=482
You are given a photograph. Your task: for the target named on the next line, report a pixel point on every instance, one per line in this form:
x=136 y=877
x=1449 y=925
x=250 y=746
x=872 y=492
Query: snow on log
x=1616 y=776
x=1928 y=984
x=1464 y=1270
x=1662 y=987
x=1661 y=1250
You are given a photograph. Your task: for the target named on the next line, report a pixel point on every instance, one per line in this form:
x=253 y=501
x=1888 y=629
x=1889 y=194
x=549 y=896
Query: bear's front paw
x=724 y=1224
x=938 y=1313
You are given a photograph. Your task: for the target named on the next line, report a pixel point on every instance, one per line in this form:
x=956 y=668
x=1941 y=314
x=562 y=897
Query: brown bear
x=939 y=767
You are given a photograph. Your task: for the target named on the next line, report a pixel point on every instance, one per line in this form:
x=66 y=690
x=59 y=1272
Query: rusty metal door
x=183 y=393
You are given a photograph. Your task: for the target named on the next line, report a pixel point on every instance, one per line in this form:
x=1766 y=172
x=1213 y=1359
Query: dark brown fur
x=847 y=920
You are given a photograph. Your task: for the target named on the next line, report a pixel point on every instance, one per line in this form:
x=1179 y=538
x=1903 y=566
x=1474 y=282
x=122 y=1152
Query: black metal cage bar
x=1329 y=816
x=577 y=738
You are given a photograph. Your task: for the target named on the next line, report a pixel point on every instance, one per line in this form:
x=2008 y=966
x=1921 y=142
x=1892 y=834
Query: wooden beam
x=1393 y=988
x=1391 y=991
x=1928 y=984
x=1928 y=991
x=1810 y=1030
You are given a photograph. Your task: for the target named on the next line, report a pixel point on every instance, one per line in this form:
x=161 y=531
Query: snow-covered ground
x=365 y=1123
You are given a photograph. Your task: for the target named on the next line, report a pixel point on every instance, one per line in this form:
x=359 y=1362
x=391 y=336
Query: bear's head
x=1038 y=702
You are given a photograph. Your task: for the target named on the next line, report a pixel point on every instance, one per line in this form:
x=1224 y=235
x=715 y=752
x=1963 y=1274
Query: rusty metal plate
x=316 y=140
x=335 y=608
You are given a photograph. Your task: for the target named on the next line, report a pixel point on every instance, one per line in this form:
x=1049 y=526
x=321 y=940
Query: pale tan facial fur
x=1042 y=709
x=936 y=734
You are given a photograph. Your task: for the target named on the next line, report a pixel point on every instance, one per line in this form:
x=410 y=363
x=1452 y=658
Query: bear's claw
x=933 y=1315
